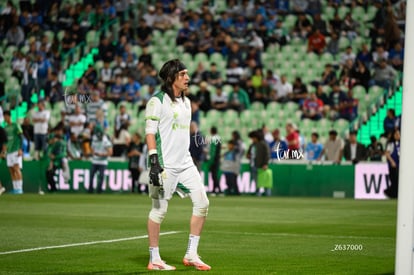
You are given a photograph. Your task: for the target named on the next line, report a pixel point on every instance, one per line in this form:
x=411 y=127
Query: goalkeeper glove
x=155 y=170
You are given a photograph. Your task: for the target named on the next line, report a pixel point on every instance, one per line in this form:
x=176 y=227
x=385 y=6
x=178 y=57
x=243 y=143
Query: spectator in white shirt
x=40 y=121
x=77 y=121
x=348 y=54
x=219 y=99
x=284 y=90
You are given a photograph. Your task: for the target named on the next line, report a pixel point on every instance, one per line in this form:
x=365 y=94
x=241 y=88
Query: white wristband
x=152 y=152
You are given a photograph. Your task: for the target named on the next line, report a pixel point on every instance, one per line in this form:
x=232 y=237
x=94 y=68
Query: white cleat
x=2 y=190
x=159 y=265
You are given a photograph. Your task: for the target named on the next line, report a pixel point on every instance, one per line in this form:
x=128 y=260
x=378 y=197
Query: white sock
x=19 y=184
x=15 y=185
x=154 y=254
x=192 y=245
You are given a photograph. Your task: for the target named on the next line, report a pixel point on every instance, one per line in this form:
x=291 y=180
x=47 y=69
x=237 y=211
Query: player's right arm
x=152 y=120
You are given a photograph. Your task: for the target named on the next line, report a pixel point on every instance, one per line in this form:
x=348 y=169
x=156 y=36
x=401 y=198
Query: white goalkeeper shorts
x=13 y=159
x=185 y=182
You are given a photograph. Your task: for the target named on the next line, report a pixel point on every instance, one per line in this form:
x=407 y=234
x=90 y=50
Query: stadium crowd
x=41 y=36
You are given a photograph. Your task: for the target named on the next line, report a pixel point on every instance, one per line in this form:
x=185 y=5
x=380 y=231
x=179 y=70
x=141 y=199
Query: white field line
x=83 y=244
x=324 y=236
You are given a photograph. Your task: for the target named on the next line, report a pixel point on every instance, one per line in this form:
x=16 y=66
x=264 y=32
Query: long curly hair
x=168 y=74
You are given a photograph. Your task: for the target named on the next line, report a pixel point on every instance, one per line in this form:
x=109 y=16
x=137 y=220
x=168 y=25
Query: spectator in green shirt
x=239 y=99
x=57 y=154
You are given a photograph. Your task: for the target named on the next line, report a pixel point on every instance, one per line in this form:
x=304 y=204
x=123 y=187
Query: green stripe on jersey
x=152 y=118
x=159 y=148
x=160 y=96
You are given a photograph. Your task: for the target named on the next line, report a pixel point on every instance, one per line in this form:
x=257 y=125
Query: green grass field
x=246 y=235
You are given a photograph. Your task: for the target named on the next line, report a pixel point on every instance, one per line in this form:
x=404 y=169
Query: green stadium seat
x=371 y=12
x=323 y=123
x=273 y=107
x=342 y=11
x=201 y=57
x=257 y=106
x=329 y=12
x=341 y=124
x=327 y=58
x=291 y=107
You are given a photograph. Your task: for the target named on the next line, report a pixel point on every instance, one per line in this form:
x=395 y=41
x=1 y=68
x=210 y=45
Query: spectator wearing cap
x=204 y=97
x=332 y=150
x=353 y=150
x=149 y=16
x=384 y=75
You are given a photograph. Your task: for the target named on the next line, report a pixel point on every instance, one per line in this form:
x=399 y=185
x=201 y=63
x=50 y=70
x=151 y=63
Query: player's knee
x=200 y=208
x=158 y=213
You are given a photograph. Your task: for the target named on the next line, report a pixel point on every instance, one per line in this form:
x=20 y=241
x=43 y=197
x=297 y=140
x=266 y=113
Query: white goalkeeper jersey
x=173 y=130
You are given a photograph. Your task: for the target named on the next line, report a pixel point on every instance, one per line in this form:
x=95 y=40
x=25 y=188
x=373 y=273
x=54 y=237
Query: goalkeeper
x=168 y=117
